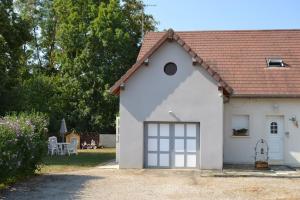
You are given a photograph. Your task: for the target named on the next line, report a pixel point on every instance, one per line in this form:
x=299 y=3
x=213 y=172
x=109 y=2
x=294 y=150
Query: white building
x=201 y=99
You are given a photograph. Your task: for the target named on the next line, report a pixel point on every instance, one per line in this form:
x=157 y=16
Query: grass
x=84 y=160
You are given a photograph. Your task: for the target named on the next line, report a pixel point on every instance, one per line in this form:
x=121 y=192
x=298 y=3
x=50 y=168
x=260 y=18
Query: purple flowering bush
x=22 y=144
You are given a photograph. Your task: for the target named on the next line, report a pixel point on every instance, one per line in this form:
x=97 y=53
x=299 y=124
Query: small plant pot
x=261 y=165
x=240 y=132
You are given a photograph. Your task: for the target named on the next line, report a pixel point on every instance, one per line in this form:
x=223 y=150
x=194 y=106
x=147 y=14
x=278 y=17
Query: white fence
x=107 y=140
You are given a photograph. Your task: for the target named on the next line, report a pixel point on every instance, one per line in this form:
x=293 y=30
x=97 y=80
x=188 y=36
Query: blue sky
x=225 y=14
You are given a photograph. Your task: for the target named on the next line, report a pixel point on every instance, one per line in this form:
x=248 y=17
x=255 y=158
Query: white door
x=171 y=145
x=275 y=131
x=185 y=145
x=158 y=145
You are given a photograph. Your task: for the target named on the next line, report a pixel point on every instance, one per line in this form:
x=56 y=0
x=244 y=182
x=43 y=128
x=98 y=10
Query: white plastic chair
x=72 y=147
x=93 y=144
x=52 y=146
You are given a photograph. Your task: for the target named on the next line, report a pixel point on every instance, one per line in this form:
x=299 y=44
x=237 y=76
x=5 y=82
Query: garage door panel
x=164 y=145
x=152 y=159
x=179 y=145
x=164 y=160
x=179 y=130
x=164 y=130
x=191 y=160
x=152 y=129
x=152 y=144
x=191 y=130
x=179 y=160
x=191 y=145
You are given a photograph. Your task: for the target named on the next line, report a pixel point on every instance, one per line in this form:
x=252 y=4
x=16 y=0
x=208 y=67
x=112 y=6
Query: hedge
x=22 y=144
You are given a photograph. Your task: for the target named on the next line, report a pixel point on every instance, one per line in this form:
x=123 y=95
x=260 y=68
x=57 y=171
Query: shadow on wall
x=50 y=187
x=294 y=157
x=150 y=87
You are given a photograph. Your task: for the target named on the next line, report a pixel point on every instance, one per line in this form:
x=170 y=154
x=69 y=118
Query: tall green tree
x=98 y=43
x=41 y=16
x=14 y=35
x=40 y=84
x=70 y=53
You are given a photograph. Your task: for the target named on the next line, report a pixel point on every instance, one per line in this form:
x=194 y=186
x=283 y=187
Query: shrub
x=22 y=144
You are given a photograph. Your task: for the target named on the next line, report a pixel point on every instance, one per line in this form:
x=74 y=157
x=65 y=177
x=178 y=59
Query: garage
x=171 y=145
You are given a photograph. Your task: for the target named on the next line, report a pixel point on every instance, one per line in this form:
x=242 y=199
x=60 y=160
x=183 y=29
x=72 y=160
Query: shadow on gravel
x=54 y=186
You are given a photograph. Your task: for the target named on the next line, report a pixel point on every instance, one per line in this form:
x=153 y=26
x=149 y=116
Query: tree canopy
x=60 y=57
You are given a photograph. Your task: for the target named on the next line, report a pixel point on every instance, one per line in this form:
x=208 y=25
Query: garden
x=58 y=60
x=22 y=145
x=23 y=150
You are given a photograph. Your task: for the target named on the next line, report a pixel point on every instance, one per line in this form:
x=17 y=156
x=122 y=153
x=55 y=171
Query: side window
x=240 y=125
x=273 y=128
x=170 y=68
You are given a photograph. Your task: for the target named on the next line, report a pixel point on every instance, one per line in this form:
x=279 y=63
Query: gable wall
x=191 y=94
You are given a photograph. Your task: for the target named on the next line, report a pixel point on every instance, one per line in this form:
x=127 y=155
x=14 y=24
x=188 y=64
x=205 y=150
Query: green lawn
x=85 y=159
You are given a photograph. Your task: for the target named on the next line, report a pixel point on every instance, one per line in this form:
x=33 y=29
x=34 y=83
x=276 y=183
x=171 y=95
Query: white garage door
x=171 y=145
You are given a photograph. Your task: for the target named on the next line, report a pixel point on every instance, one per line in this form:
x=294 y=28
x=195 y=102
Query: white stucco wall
x=191 y=94
x=241 y=149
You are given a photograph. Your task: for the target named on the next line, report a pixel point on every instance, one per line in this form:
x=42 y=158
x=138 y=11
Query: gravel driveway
x=109 y=184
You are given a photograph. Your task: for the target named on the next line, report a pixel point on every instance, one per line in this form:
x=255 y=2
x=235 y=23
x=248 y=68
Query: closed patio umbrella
x=63 y=128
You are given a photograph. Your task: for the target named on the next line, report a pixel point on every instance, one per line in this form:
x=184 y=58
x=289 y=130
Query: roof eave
x=265 y=96
x=171 y=35
x=116 y=87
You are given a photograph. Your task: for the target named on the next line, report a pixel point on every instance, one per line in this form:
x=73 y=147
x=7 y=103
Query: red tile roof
x=239 y=57
x=196 y=60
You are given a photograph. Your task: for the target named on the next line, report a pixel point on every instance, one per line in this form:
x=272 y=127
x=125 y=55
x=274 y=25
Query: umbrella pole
x=63 y=129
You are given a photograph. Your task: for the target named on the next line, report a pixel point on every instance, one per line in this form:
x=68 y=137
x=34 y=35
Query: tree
x=42 y=93
x=72 y=53
x=98 y=42
x=14 y=35
x=42 y=18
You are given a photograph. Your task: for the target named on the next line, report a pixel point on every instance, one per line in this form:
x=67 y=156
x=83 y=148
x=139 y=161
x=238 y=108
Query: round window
x=170 y=68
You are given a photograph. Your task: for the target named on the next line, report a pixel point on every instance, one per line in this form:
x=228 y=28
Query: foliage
x=22 y=144
x=98 y=43
x=73 y=51
x=240 y=132
x=44 y=94
x=14 y=34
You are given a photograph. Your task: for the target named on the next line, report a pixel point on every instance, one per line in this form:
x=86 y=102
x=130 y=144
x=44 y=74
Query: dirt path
x=152 y=184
